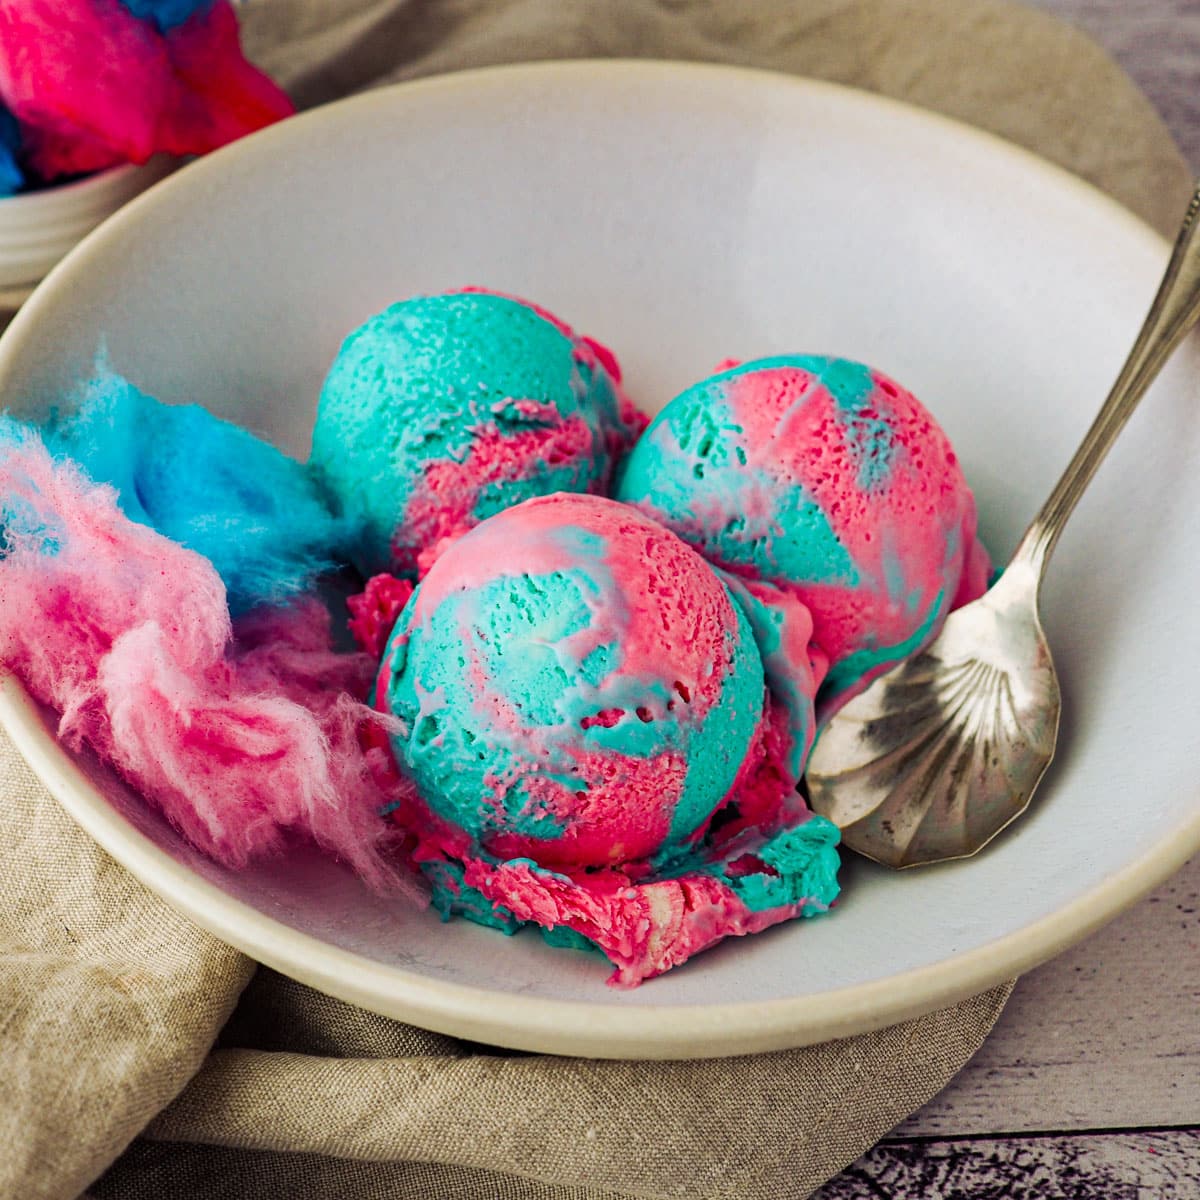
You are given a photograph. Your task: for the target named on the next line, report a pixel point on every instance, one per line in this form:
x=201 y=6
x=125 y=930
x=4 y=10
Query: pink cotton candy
x=242 y=737
x=92 y=85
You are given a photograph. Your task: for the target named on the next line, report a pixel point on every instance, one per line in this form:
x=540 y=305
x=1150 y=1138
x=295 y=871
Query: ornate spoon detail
x=942 y=752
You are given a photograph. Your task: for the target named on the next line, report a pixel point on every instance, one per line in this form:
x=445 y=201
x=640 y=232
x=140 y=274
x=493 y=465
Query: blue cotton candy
x=165 y=14
x=12 y=178
x=253 y=512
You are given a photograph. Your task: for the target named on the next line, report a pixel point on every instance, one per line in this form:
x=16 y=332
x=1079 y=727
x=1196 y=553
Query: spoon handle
x=1173 y=313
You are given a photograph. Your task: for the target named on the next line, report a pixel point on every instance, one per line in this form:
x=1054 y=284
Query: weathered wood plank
x=1152 y=1165
x=1105 y=1036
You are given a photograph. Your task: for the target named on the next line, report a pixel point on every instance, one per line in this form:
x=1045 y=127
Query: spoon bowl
x=947 y=749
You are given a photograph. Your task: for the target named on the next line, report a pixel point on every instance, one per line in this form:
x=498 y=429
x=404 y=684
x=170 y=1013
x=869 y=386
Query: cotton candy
x=245 y=735
x=100 y=82
x=253 y=512
x=166 y=14
x=12 y=178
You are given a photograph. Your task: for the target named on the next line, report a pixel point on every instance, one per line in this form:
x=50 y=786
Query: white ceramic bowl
x=38 y=228
x=684 y=214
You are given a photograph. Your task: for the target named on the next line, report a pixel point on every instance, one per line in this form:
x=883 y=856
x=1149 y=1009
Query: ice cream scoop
x=828 y=480
x=586 y=719
x=578 y=686
x=443 y=410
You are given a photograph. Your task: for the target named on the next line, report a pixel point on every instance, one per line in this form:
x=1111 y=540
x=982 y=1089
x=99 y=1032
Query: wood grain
x=1147 y=1165
x=1106 y=1035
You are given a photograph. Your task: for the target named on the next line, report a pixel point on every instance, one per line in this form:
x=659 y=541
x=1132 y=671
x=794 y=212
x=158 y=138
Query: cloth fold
x=110 y=1002
x=710 y=1127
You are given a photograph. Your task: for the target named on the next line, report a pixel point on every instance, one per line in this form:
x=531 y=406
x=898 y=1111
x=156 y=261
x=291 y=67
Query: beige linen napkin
x=110 y=1002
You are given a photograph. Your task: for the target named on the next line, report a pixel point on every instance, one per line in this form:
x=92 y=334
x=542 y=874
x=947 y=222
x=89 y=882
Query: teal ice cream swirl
x=444 y=410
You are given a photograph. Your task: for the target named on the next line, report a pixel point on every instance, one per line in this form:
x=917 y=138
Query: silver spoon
x=942 y=752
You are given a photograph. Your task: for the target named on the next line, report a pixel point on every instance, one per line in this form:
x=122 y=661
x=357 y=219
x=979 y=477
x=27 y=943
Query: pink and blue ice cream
x=587 y=722
x=593 y=714
x=443 y=410
x=829 y=481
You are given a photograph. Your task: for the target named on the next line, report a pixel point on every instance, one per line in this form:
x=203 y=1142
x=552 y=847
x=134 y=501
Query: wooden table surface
x=1089 y=1086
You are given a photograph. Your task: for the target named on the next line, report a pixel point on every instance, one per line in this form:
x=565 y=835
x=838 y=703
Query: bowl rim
x=534 y=1023
x=72 y=189
x=38 y=228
